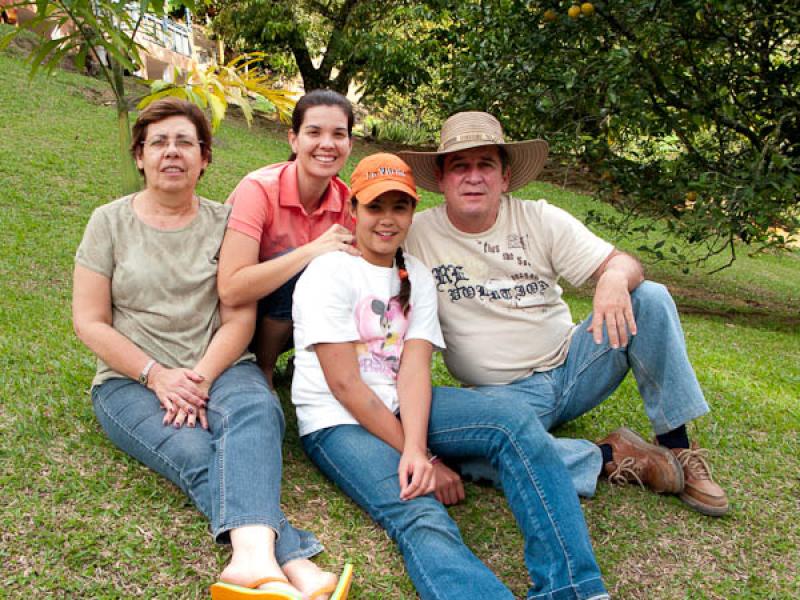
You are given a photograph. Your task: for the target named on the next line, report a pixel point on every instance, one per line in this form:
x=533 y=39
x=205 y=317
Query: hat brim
x=374 y=190
x=525 y=160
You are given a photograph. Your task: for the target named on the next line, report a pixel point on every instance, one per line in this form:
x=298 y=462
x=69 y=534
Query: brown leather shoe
x=636 y=461
x=700 y=491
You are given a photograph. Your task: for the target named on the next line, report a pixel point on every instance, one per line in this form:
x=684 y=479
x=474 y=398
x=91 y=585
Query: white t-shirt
x=343 y=298
x=500 y=304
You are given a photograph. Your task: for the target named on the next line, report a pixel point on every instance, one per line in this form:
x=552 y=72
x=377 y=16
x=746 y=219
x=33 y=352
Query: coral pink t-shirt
x=266 y=207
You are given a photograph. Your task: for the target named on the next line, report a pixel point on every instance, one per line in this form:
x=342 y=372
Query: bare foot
x=244 y=571
x=308 y=577
x=246 y=567
x=254 y=558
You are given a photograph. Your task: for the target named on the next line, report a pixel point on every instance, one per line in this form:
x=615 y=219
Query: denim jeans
x=277 y=304
x=232 y=471
x=558 y=552
x=657 y=357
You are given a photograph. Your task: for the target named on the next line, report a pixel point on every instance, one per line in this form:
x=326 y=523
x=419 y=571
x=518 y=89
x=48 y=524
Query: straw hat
x=472 y=129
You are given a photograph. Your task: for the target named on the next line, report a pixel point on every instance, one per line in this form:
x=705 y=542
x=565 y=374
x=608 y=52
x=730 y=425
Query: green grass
x=81 y=520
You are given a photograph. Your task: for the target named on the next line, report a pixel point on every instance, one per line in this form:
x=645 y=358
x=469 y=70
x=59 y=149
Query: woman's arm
x=242 y=279
x=227 y=345
x=229 y=341
x=91 y=318
x=414 y=394
x=340 y=366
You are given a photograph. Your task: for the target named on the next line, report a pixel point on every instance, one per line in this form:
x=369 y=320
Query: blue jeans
x=590 y=374
x=558 y=552
x=277 y=305
x=232 y=471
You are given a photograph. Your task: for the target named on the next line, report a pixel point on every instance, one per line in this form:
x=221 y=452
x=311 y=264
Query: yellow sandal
x=341 y=589
x=229 y=591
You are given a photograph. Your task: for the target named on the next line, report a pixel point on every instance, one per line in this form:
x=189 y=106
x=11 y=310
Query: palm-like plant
x=238 y=82
x=89 y=29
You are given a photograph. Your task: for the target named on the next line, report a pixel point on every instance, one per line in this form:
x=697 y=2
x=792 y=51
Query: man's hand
x=612 y=307
x=449 y=487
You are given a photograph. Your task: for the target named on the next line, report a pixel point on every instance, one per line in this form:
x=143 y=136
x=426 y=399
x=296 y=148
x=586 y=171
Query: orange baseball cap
x=380 y=173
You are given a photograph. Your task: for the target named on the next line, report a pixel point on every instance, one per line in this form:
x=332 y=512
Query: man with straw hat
x=497 y=261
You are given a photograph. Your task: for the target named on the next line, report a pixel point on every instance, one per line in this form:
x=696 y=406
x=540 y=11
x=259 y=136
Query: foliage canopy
x=381 y=46
x=689 y=108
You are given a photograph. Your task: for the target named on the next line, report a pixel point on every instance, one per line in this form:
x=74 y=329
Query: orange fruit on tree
x=574 y=11
x=691 y=196
x=550 y=15
x=587 y=8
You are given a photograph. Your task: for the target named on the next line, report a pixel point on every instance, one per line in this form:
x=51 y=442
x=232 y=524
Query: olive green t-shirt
x=163 y=283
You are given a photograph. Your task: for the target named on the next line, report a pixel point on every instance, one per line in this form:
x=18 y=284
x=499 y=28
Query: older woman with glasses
x=175 y=387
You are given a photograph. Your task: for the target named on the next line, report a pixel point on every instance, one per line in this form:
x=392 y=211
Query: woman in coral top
x=286 y=214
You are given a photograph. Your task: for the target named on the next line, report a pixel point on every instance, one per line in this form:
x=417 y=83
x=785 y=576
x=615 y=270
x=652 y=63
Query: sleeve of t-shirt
x=424 y=323
x=250 y=212
x=322 y=304
x=575 y=252
x=417 y=234
x=96 y=250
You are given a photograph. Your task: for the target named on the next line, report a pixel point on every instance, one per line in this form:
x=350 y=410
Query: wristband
x=146 y=372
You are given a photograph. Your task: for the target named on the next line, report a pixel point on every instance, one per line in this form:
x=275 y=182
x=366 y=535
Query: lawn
x=80 y=520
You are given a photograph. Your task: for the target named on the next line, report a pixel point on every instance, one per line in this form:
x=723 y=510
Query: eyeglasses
x=160 y=143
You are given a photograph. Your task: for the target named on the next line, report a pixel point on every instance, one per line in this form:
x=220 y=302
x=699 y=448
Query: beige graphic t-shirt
x=163 y=283
x=500 y=304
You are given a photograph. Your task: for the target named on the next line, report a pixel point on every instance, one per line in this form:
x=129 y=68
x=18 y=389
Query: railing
x=163 y=32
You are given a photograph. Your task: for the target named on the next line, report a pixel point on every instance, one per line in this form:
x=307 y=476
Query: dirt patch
x=104 y=97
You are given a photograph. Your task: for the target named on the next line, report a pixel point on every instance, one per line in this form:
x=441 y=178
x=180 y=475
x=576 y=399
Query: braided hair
x=404 y=295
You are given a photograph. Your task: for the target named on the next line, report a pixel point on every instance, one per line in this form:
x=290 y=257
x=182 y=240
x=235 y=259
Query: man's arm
x=615 y=279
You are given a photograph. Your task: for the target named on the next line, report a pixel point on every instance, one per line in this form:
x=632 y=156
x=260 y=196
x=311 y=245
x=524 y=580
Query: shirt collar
x=332 y=200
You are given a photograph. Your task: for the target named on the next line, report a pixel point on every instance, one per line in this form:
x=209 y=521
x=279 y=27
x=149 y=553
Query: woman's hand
x=449 y=487
x=335 y=238
x=181 y=393
x=416 y=474
x=190 y=419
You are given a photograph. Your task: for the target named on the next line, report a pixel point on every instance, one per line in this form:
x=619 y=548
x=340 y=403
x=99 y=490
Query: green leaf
x=202 y=96
x=170 y=91
x=159 y=84
x=80 y=57
x=156 y=6
x=193 y=97
x=218 y=108
x=43 y=51
x=6 y=39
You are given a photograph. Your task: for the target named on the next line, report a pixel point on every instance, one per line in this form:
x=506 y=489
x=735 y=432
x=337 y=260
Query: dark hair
x=164 y=109
x=321 y=97
x=501 y=151
x=404 y=295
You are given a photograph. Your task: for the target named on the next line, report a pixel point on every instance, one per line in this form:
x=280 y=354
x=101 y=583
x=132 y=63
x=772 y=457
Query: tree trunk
x=129 y=175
